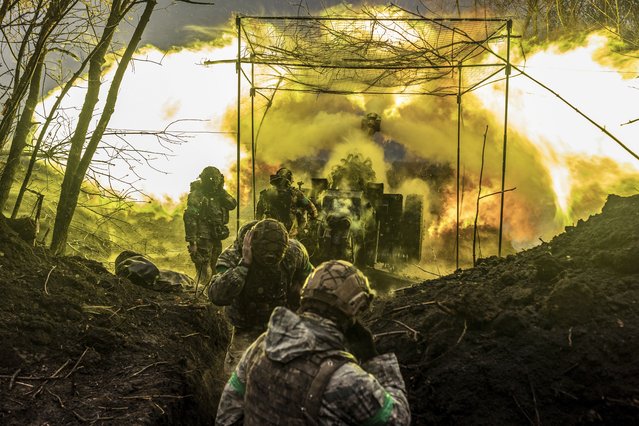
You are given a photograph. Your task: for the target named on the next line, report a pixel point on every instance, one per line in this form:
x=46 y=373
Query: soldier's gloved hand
x=359 y=340
x=247 y=255
x=192 y=248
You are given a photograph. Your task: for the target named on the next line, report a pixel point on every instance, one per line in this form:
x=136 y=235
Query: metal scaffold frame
x=425 y=67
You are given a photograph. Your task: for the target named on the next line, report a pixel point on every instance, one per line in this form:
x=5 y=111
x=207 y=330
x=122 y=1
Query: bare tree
x=23 y=129
x=81 y=154
x=37 y=31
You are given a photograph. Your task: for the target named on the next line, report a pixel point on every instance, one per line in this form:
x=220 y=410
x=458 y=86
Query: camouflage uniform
x=205 y=219
x=250 y=293
x=141 y=271
x=285 y=203
x=370 y=393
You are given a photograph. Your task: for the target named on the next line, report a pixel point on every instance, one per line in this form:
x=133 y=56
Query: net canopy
x=372 y=53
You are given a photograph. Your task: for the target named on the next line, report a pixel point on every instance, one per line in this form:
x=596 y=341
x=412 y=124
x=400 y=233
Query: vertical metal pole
x=238 y=23
x=253 y=132
x=509 y=27
x=459 y=70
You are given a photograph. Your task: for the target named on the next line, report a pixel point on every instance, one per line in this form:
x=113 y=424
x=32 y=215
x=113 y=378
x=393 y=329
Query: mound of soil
x=80 y=345
x=549 y=335
x=546 y=336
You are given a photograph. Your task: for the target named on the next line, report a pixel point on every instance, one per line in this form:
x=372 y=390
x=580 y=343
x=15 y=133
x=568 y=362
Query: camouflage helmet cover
x=283 y=176
x=340 y=284
x=269 y=241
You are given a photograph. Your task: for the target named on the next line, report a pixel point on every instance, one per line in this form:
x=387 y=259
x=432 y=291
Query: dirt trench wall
x=82 y=345
x=546 y=336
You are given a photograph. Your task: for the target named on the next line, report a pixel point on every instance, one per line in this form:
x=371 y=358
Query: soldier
x=205 y=219
x=261 y=270
x=285 y=203
x=302 y=363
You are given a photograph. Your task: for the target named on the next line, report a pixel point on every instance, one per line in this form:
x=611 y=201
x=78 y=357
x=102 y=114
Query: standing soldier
x=285 y=203
x=261 y=270
x=205 y=219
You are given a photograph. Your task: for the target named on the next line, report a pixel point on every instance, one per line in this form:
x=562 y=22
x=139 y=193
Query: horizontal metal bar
x=357 y=92
x=378 y=67
x=354 y=18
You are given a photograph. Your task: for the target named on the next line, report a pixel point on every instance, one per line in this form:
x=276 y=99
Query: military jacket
x=251 y=294
x=284 y=205
x=207 y=213
x=369 y=393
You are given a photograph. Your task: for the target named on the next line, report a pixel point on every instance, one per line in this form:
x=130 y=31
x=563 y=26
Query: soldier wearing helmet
x=205 y=219
x=283 y=202
x=264 y=268
x=319 y=366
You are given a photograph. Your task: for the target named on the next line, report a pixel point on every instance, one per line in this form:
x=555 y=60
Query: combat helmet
x=371 y=123
x=213 y=175
x=339 y=284
x=283 y=177
x=269 y=241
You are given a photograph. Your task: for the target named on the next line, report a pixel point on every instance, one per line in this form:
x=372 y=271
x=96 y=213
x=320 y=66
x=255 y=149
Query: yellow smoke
x=552 y=152
x=560 y=165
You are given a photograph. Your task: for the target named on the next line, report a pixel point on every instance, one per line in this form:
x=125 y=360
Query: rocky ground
x=547 y=336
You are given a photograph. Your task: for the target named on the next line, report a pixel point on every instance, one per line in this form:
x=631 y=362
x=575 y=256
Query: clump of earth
x=546 y=336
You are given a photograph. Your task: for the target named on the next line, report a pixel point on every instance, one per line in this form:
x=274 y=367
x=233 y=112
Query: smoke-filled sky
x=175 y=23
x=560 y=167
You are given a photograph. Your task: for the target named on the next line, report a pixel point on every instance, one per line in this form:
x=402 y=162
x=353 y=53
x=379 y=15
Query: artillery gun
x=360 y=223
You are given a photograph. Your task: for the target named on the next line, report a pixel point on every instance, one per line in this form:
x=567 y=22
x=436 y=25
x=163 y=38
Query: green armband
x=236 y=384
x=383 y=414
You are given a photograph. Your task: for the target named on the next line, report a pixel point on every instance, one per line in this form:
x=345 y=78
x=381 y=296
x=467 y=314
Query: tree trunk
x=21 y=81
x=78 y=163
x=43 y=131
x=23 y=129
x=64 y=213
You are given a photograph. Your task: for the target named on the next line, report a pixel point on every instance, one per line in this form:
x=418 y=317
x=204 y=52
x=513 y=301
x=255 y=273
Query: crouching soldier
x=261 y=270
x=320 y=366
x=205 y=219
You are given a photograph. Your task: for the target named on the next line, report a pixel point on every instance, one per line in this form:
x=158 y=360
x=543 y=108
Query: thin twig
x=55 y=375
x=390 y=333
x=570 y=337
x=13 y=378
x=463 y=333
x=150 y=397
x=160 y=408
x=412 y=330
x=82 y=419
x=445 y=308
x=57 y=397
x=522 y=410
x=75 y=366
x=401 y=308
x=47 y=280
x=138 y=306
x=147 y=367
x=534 y=396
x=424 y=270
x=630 y=122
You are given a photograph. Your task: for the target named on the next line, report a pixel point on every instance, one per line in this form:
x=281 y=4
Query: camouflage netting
x=370 y=52
x=546 y=336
